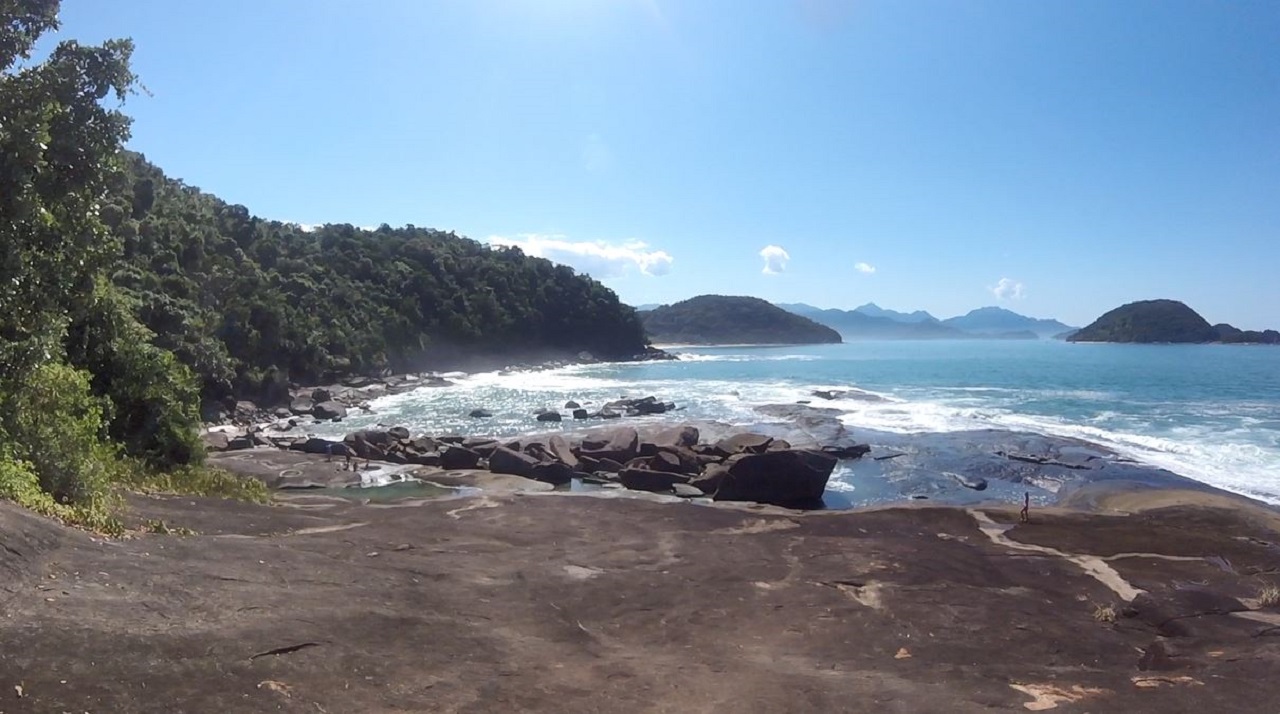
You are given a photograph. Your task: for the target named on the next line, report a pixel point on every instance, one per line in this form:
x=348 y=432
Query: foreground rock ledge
x=563 y=603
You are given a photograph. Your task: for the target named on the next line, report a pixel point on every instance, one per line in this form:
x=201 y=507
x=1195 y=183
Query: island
x=1165 y=321
x=726 y=320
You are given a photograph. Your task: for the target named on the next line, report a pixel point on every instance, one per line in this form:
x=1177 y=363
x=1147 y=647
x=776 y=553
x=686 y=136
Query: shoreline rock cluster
x=615 y=409
x=741 y=467
x=334 y=402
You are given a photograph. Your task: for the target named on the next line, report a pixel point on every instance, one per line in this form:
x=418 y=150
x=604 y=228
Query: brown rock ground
x=572 y=603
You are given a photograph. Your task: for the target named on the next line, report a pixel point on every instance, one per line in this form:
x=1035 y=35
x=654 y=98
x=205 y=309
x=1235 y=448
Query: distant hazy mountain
x=726 y=320
x=855 y=325
x=875 y=310
x=997 y=320
x=647 y=306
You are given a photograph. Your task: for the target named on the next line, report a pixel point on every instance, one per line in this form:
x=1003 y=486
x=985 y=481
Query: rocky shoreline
x=787 y=458
x=332 y=402
x=673 y=460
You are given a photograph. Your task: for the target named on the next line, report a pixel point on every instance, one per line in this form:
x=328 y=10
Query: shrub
x=53 y=423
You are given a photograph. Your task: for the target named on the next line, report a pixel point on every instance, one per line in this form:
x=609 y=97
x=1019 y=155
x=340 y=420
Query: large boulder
x=507 y=461
x=321 y=447
x=215 y=440
x=398 y=433
x=745 y=443
x=481 y=445
x=552 y=472
x=847 y=451
x=329 y=410
x=647 y=480
x=320 y=394
x=710 y=478
x=684 y=435
x=560 y=450
x=687 y=461
x=580 y=414
x=794 y=478
x=459 y=457
x=480 y=414
x=549 y=416
x=621 y=444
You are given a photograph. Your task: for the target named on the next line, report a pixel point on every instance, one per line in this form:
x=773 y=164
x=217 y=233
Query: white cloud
x=1008 y=289
x=775 y=259
x=866 y=268
x=596 y=258
x=596 y=155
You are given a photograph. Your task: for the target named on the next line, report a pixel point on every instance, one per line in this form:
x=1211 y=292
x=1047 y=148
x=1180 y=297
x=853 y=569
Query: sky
x=1058 y=158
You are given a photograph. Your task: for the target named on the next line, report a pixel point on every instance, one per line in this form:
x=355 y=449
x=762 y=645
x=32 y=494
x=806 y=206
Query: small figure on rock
x=1025 y=515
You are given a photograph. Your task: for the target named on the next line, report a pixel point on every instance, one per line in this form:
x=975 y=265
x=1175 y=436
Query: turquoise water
x=1209 y=412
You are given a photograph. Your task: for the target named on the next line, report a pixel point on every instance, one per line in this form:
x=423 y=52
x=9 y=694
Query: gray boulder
x=744 y=443
x=459 y=457
x=506 y=461
x=621 y=445
x=398 y=432
x=685 y=436
x=552 y=472
x=329 y=410
x=215 y=440
x=646 y=480
x=795 y=478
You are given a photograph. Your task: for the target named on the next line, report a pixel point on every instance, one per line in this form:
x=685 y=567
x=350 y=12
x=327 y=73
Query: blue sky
x=1056 y=158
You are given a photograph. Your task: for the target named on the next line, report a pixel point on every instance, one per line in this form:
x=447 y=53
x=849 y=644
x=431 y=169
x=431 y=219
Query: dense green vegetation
x=719 y=319
x=126 y=296
x=1234 y=336
x=1164 y=321
x=251 y=304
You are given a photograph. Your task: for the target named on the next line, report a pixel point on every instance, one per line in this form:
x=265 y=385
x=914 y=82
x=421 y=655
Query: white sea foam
x=702 y=357
x=1236 y=449
x=1232 y=461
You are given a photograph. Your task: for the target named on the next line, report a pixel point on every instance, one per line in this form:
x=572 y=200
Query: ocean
x=1206 y=412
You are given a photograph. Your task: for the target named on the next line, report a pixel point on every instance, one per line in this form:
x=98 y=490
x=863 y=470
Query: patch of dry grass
x=1104 y=613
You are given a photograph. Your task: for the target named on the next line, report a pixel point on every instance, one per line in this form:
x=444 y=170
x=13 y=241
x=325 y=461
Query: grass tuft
x=1104 y=613
x=99 y=510
x=159 y=527
x=195 y=481
x=1268 y=596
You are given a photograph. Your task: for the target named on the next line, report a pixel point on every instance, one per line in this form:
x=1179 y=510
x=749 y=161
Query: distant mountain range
x=997 y=320
x=871 y=321
x=875 y=310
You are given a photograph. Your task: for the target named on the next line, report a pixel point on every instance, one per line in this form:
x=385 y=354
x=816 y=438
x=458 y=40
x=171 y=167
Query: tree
x=59 y=152
x=58 y=143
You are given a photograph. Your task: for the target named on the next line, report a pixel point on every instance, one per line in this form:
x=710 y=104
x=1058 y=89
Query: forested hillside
x=725 y=320
x=126 y=296
x=256 y=303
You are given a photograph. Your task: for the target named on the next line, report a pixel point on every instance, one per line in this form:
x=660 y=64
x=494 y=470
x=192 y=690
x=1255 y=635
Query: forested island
x=1168 y=321
x=725 y=320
